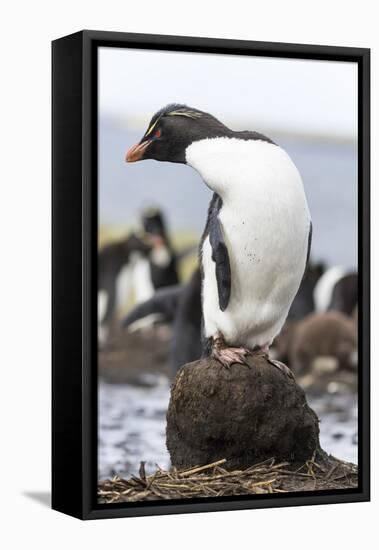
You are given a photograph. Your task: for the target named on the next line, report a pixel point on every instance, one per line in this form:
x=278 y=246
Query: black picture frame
x=74 y=271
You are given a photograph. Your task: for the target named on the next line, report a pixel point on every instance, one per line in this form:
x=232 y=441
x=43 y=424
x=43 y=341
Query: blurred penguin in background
x=324 y=343
x=160 y=268
x=145 y=264
x=322 y=291
x=302 y=305
x=337 y=290
x=304 y=302
x=115 y=261
x=179 y=306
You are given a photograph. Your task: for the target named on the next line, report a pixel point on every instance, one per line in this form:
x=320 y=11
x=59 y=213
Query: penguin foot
x=228 y=355
x=282 y=367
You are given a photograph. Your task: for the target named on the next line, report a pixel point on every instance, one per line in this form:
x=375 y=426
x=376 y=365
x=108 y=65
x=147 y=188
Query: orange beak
x=136 y=152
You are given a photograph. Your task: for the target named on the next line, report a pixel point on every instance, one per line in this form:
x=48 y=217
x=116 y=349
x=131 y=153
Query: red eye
x=158 y=134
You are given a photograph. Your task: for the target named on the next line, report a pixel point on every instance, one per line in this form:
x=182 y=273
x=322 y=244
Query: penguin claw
x=282 y=367
x=228 y=356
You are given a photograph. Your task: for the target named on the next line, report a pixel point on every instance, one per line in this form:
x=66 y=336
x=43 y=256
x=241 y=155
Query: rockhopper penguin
x=256 y=242
x=163 y=261
x=113 y=260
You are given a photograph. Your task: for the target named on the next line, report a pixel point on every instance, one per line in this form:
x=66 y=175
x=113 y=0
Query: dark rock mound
x=244 y=414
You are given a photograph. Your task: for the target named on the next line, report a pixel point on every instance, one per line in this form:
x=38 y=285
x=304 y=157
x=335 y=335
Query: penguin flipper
x=221 y=258
x=163 y=303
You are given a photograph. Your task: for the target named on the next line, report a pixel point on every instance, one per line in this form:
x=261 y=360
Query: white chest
x=265 y=221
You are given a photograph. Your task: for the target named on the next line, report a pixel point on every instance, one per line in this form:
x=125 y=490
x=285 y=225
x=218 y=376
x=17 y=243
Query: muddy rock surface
x=245 y=414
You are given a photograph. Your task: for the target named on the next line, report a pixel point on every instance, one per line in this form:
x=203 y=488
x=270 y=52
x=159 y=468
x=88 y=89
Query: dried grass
x=212 y=480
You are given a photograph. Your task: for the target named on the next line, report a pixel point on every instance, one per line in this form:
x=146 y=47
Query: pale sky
x=294 y=96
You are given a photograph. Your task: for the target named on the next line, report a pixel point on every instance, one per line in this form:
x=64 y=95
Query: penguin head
x=172 y=130
x=153 y=221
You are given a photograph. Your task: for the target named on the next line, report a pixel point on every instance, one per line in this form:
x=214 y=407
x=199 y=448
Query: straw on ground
x=212 y=480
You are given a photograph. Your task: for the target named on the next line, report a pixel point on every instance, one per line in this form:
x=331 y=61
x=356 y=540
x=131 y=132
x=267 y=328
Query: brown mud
x=245 y=413
x=129 y=358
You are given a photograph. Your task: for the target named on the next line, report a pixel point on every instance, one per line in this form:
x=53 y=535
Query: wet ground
x=132 y=425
